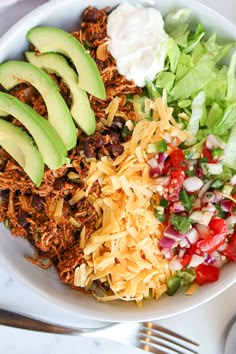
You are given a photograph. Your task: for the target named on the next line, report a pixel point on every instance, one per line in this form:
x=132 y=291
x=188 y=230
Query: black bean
x=115 y=137
x=97 y=140
x=4 y=195
x=115 y=149
x=59 y=183
x=118 y=123
x=22 y=220
x=37 y=202
x=91 y=15
x=89 y=149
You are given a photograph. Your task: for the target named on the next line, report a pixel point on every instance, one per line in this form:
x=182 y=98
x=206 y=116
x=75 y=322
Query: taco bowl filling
x=145 y=204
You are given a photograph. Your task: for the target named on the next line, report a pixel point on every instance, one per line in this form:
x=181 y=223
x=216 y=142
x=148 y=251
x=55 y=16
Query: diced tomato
x=211 y=243
x=206 y=274
x=185 y=260
x=207 y=153
x=230 y=250
x=218 y=226
x=167 y=166
x=177 y=158
x=191 y=249
x=177 y=177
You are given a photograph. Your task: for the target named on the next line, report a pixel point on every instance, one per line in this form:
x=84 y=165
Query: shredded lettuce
x=214 y=115
x=198 y=112
x=230 y=150
x=199 y=77
x=169 y=51
x=193 y=81
x=227 y=121
x=231 y=80
x=177 y=26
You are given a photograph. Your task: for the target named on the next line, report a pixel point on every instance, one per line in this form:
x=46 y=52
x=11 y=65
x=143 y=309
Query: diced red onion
x=208 y=197
x=233 y=180
x=231 y=220
x=172 y=233
x=196 y=260
x=184 y=243
x=210 y=259
x=155 y=172
x=219 y=196
x=220 y=259
x=177 y=207
x=153 y=163
x=226 y=205
x=192 y=184
x=156 y=167
x=161 y=157
x=209 y=208
x=191 y=164
x=203 y=230
x=175 y=265
x=204 y=188
x=182 y=252
x=201 y=217
x=167 y=242
x=222 y=247
x=192 y=236
x=166 y=253
x=212 y=168
x=197 y=204
x=213 y=143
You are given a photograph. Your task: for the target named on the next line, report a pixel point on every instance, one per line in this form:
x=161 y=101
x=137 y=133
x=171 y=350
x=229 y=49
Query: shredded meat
x=93 y=33
x=45 y=216
x=30 y=212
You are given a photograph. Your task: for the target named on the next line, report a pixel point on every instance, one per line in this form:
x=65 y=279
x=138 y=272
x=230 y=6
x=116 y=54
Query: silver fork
x=145 y=335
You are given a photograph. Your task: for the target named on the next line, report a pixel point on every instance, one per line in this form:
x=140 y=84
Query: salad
x=145 y=204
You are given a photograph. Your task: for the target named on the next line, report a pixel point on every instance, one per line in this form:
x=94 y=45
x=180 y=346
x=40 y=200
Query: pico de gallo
x=197 y=208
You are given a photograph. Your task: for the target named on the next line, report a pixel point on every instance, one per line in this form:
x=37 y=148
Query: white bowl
x=65 y=14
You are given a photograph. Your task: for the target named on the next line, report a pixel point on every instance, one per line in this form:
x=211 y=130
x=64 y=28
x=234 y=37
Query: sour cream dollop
x=135 y=36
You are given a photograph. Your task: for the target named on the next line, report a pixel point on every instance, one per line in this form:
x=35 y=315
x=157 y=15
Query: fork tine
x=147 y=348
x=155 y=327
x=156 y=339
x=153 y=345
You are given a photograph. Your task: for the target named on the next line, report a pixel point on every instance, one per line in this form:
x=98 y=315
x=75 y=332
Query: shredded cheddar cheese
x=123 y=252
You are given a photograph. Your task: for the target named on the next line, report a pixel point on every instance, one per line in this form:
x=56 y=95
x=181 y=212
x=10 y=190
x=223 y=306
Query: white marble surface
x=207 y=324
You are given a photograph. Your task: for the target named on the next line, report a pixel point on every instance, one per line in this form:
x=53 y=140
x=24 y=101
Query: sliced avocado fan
x=52 y=39
x=45 y=136
x=14 y=72
x=81 y=111
x=21 y=147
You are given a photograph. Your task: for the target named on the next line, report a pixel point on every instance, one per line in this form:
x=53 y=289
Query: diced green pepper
x=159 y=146
x=217 y=153
x=173 y=284
x=188 y=275
x=227 y=189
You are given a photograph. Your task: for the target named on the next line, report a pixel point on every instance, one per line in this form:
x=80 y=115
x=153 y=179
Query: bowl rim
x=38 y=15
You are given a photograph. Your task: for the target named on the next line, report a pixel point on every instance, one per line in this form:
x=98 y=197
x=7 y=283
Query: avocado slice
x=46 y=138
x=14 y=72
x=81 y=111
x=52 y=39
x=21 y=147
